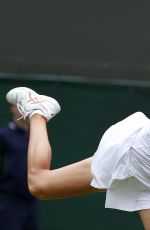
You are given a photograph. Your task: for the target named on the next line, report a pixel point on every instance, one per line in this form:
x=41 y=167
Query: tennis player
x=120 y=166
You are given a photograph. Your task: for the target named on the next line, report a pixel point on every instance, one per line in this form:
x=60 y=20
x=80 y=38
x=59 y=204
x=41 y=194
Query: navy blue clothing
x=13 y=150
x=14 y=193
x=17 y=214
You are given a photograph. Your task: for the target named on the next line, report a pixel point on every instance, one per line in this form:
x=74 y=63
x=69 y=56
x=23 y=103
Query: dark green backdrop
x=87 y=111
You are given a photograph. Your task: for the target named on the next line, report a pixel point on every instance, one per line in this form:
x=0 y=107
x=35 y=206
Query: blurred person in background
x=18 y=208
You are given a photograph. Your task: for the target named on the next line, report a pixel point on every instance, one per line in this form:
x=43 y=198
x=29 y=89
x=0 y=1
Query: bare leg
x=145 y=217
x=64 y=182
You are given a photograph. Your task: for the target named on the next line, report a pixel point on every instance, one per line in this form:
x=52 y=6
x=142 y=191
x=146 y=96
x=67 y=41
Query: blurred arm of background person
x=18 y=208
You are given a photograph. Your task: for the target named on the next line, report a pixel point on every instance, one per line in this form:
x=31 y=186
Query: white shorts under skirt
x=121 y=164
x=128 y=195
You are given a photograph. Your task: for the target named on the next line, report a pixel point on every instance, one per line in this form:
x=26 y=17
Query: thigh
x=145 y=217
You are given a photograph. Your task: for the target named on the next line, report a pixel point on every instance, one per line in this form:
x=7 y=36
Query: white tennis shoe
x=29 y=103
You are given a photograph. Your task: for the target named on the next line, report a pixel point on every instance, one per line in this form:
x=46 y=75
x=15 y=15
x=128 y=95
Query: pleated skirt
x=121 y=164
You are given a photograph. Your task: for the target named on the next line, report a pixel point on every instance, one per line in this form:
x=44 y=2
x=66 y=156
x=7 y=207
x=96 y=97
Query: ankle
x=37 y=116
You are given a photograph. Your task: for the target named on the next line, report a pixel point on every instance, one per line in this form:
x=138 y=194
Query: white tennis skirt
x=121 y=164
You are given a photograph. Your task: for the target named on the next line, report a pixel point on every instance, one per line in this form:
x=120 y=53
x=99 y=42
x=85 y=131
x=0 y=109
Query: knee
x=35 y=185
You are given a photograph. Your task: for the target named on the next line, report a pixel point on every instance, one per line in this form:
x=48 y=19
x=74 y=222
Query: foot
x=29 y=103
